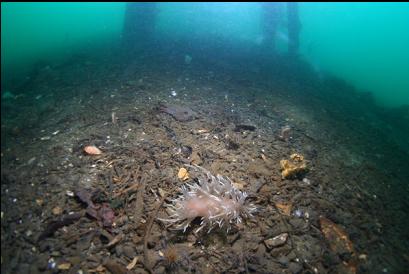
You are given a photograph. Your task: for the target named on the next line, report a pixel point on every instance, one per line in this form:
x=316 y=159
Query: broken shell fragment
x=64 y=266
x=92 y=150
x=276 y=241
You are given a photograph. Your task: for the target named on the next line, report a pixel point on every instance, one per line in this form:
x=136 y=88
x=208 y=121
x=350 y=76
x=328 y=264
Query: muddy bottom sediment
x=242 y=127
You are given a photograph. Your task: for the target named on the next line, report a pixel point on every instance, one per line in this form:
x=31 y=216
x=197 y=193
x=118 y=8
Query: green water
x=364 y=43
x=51 y=32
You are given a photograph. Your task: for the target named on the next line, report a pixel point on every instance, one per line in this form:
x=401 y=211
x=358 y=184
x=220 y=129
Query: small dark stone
x=240 y=128
x=42 y=262
x=129 y=251
x=74 y=260
x=180 y=113
x=294 y=267
x=283 y=261
x=151 y=244
x=232 y=145
x=23 y=268
x=329 y=259
x=297 y=223
x=186 y=151
x=34 y=269
x=116 y=203
x=119 y=250
x=44 y=246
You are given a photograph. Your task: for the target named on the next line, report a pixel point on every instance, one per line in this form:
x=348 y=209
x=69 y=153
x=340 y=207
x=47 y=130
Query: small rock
x=241 y=128
x=151 y=244
x=136 y=239
x=283 y=261
x=295 y=268
x=129 y=252
x=118 y=250
x=57 y=210
x=39 y=202
x=276 y=241
x=23 y=268
x=74 y=260
x=297 y=223
x=122 y=220
x=186 y=151
x=42 y=262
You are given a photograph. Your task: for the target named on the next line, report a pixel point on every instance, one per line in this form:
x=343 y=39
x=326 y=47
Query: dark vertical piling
x=139 y=24
x=271 y=15
x=294 y=27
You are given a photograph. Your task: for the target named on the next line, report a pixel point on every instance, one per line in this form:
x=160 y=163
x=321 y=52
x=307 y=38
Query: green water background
x=366 y=44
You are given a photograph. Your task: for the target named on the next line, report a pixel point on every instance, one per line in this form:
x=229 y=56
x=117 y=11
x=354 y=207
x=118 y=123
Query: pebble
x=283 y=261
x=297 y=223
x=129 y=251
x=295 y=268
x=118 y=250
x=75 y=260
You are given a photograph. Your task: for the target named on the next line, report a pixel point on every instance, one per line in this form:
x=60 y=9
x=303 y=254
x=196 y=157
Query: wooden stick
x=147 y=232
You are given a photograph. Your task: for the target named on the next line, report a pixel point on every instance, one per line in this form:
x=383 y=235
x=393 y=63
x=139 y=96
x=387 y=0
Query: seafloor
x=347 y=214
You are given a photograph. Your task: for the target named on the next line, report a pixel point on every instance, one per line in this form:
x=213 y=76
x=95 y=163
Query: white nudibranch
x=213 y=198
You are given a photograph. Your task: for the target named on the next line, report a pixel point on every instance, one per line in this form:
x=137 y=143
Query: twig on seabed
x=147 y=233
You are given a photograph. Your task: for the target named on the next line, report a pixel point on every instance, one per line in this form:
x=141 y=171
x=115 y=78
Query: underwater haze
x=233 y=137
x=363 y=43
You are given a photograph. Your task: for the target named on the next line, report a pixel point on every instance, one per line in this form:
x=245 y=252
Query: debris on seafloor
x=200 y=131
x=186 y=151
x=113 y=118
x=92 y=150
x=53 y=226
x=132 y=264
x=339 y=242
x=231 y=145
x=180 y=113
x=293 y=168
x=213 y=198
x=276 y=241
x=285 y=133
x=171 y=256
x=338 y=239
x=114 y=267
x=299 y=213
x=102 y=213
x=64 y=266
x=183 y=174
x=240 y=128
x=284 y=208
x=115 y=240
x=57 y=210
